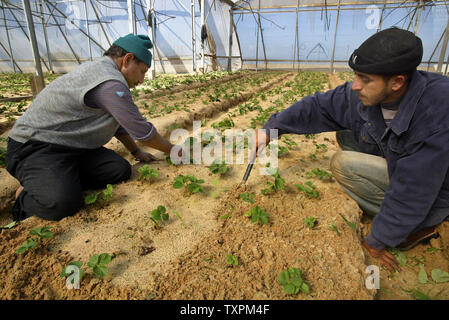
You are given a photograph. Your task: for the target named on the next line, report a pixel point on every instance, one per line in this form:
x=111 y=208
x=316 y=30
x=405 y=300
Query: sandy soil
x=186 y=258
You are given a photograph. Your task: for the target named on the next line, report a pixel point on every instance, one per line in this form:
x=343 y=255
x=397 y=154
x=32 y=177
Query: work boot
x=417 y=237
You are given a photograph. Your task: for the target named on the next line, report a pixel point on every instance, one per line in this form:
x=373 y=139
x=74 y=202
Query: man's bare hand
x=145 y=156
x=385 y=257
x=258 y=142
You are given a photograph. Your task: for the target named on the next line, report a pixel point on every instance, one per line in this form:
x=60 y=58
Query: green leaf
x=104 y=259
x=79 y=264
x=10 y=225
x=28 y=244
x=248 y=197
x=93 y=260
x=349 y=223
x=178 y=184
x=422 y=275
x=283 y=277
x=44 y=232
x=289 y=288
x=439 y=275
x=101 y=271
x=400 y=256
x=91 y=198
x=418 y=295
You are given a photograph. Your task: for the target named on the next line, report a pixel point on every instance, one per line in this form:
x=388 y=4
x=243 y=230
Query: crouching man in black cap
x=55 y=149
x=392 y=124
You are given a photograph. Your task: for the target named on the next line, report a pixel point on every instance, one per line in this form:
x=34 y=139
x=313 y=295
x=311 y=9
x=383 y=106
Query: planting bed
x=188 y=256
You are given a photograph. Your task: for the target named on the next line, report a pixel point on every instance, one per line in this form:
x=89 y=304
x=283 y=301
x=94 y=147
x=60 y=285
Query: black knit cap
x=389 y=52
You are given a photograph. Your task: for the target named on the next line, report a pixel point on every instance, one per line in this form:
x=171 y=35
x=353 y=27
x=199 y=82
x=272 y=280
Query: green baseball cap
x=137 y=45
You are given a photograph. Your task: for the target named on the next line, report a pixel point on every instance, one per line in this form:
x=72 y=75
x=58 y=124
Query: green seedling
x=312 y=156
x=320 y=174
x=99 y=263
x=332 y=227
x=232 y=260
x=42 y=233
x=279 y=184
x=147 y=173
x=310 y=136
x=191 y=182
x=159 y=215
x=349 y=223
x=400 y=256
x=108 y=192
x=432 y=250
x=422 y=275
x=91 y=198
x=309 y=189
x=257 y=214
x=227 y=215
x=180 y=218
x=418 y=295
x=10 y=225
x=77 y=264
x=292 y=282
x=310 y=222
x=30 y=243
x=248 y=197
x=321 y=147
x=439 y=276
x=218 y=168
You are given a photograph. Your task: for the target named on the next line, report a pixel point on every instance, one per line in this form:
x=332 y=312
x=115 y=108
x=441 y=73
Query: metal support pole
x=151 y=26
x=71 y=21
x=435 y=49
x=263 y=42
x=64 y=36
x=238 y=42
x=24 y=32
x=231 y=19
x=131 y=17
x=44 y=27
x=335 y=38
x=33 y=40
x=88 y=30
x=443 y=49
x=192 y=10
x=415 y=28
x=13 y=61
x=203 y=22
x=257 y=44
x=296 y=45
x=381 y=17
x=9 y=41
x=101 y=25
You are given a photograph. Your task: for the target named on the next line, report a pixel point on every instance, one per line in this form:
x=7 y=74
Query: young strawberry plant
x=30 y=243
x=309 y=189
x=257 y=214
x=349 y=223
x=159 y=215
x=279 y=184
x=320 y=174
x=292 y=282
x=248 y=197
x=192 y=183
x=99 y=263
x=232 y=260
x=107 y=195
x=310 y=222
x=218 y=167
x=147 y=173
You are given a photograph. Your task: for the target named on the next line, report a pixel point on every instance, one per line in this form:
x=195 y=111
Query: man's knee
x=59 y=204
x=122 y=171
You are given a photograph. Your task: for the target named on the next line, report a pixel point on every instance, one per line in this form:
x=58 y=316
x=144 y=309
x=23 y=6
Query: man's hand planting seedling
x=291 y=281
x=147 y=173
x=257 y=214
x=99 y=263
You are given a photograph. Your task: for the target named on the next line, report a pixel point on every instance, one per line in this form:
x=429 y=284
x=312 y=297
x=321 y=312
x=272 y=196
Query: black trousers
x=54 y=176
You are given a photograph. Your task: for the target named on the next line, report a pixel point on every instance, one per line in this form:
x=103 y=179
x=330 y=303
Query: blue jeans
x=364 y=177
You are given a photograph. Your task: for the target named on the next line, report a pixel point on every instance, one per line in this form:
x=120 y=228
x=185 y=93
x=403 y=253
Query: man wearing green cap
x=55 y=149
x=392 y=124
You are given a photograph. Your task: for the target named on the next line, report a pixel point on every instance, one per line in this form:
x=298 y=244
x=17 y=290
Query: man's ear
x=398 y=82
x=127 y=59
